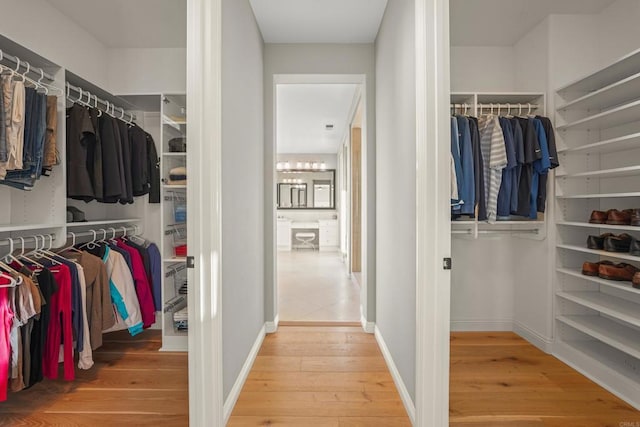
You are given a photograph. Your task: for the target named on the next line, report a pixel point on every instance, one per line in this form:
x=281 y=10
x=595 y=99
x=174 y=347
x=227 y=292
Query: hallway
x=315 y=287
x=319 y=376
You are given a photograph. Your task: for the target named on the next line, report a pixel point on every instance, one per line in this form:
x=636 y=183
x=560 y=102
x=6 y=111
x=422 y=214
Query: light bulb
x=279 y=166
x=323 y=166
x=287 y=165
x=307 y=165
x=314 y=166
x=299 y=165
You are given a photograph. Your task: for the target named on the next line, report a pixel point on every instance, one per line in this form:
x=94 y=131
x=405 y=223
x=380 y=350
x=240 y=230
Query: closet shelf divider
x=617 y=308
x=626 y=142
x=605 y=173
x=617 y=255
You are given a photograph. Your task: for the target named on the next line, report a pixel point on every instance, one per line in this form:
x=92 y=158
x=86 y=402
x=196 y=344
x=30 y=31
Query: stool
x=305 y=239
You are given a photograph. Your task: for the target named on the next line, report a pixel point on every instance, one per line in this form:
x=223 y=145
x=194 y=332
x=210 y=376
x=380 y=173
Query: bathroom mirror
x=306 y=189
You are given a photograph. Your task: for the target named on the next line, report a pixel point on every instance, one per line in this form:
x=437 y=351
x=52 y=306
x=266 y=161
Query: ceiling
x=130 y=23
x=319 y=21
x=504 y=22
x=303 y=111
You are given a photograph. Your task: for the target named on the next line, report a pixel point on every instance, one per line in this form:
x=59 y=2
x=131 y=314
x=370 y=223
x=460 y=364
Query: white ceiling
x=303 y=111
x=319 y=21
x=504 y=22
x=130 y=23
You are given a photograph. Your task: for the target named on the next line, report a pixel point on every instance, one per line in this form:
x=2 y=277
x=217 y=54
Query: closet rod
x=17 y=241
x=509 y=105
x=102 y=233
x=87 y=98
x=36 y=72
x=507 y=231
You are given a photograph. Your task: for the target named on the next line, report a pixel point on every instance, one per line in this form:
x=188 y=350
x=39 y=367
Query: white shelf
x=599 y=196
x=27 y=227
x=176 y=124
x=609 y=332
x=618 y=255
x=174 y=187
x=598 y=226
x=174 y=260
x=627 y=113
x=466 y=222
x=614 y=94
x=617 y=308
x=620 y=69
x=168 y=154
x=498 y=223
x=605 y=173
x=623 y=286
x=627 y=142
x=103 y=222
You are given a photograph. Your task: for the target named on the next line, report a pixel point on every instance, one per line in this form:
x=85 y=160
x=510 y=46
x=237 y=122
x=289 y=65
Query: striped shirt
x=494 y=156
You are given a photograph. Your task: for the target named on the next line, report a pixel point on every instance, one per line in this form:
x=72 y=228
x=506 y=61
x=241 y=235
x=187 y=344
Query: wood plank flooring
x=323 y=376
x=131 y=384
x=499 y=379
x=319 y=376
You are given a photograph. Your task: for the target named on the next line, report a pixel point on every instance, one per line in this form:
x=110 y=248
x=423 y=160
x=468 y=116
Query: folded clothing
x=178 y=176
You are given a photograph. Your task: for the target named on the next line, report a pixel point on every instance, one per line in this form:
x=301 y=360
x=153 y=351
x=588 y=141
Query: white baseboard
x=369 y=327
x=242 y=377
x=397 y=379
x=543 y=343
x=272 y=327
x=481 y=325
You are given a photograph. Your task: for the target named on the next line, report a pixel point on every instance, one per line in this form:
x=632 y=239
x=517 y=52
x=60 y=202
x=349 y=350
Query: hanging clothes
x=505 y=193
x=495 y=160
x=467 y=163
x=553 y=159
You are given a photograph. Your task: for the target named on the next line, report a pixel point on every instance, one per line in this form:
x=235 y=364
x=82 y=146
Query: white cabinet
x=329 y=236
x=284 y=235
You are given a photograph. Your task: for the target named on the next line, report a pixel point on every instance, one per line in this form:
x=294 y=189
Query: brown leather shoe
x=598 y=217
x=616 y=217
x=636 y=281
x=622 y=272
x=592 y=268
x=635 y=217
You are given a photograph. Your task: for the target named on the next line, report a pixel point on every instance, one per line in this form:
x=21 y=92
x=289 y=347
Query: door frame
x=270 y=171
x=204 y=103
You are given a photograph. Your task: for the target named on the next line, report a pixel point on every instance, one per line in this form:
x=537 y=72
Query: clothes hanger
x=12 y=280
x=10 y=258
x=113 y=238
x=92 y=243
x=24 y=256
x=71 y=248
x=43 y=253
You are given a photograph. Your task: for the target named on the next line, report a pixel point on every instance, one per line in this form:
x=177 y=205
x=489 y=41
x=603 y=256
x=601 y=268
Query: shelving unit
x=597 y=321
x=515 y=226
x=174 y=125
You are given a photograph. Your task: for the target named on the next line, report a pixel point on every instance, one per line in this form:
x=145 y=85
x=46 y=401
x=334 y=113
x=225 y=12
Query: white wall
x=619 y=31
x=242 y=190
x=40 y=27
x=147 y=71
x=396 y=186
x=491 y=68
x=318 y=59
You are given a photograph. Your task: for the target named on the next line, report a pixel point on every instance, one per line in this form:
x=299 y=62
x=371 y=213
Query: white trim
x=230 y=403
x=397 y=379
x=368 y=327
x=543 y=343
x=433 y=217
x=272 y=327
x=204 y=103
x=505 y=325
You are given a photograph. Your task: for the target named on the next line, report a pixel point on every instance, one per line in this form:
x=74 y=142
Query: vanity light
x=314 y=166
x=279 y=166
x=287 y=165
x=323 y=166
x=307 y=165
x=299 y=165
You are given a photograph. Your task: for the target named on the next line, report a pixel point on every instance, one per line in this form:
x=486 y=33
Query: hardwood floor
x=323 y=376
x=131 y=384
x=319 y=376
x=499 y=379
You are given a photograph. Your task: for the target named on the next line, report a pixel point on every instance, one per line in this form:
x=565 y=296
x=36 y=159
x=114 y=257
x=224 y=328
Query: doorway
x=318 y=186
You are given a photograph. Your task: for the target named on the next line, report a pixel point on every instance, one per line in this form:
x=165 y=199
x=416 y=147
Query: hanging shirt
x=6 y=317
x=504 y=195
x=531 y=154
x=478 y=169
x=60 y=329
x=50 y=152
x=80 y=136
x=126 y=162
x=495 y=159
x=143 y=289
x=553 y=159
x=455 y=152
x=518 y=142
x=467 y=162
x=85 y=358
x=540 y=167
x=454 y=181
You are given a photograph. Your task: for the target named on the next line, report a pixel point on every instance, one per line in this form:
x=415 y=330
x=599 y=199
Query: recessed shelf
x=103 y=222
x=599 y=196
x=176 y=260
x=605 y=173
x=27 y=227
x=627 y=142
x=624 y=286
x=618 y=70
x=615 y=94
x=609 y=332
x=617 y=308
x=175 y=187
x=623 y=114
x=167 y=154
x=598 y=226
x=618 y=255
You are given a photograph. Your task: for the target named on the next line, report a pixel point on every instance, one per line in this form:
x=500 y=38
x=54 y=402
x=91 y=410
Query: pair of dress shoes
x=616 y=217
x=612 y=243
x=610 y=271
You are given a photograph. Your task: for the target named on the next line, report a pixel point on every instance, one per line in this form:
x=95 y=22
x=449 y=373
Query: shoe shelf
x=605 y=173
x=611 y=284
x=614 y=307
x=597 y=321
x=609 y=96
x=609 y=332
x=598 y=226
x=618 y=255
x=612 y=145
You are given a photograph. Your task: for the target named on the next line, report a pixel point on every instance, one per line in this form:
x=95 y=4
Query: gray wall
x=396 y=185
x=242 y=191
x=317 y=59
